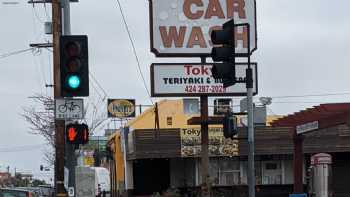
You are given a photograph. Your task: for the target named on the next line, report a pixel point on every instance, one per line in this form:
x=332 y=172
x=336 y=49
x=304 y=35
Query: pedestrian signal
x=77 y=133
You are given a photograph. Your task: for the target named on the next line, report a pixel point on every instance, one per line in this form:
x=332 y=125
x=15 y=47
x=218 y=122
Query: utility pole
x=59 y=124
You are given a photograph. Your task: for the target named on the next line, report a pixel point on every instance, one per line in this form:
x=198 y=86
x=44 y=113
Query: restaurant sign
x=195 y=79
x=218 y=144
x=121 y=108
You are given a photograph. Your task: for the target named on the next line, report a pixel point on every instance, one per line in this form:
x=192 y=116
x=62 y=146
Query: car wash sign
x=181 y=28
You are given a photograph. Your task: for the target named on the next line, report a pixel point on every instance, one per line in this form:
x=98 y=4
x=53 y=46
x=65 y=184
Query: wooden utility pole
x=59 y=124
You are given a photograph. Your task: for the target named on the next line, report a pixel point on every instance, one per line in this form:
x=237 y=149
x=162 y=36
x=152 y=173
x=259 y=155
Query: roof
x=315 y=113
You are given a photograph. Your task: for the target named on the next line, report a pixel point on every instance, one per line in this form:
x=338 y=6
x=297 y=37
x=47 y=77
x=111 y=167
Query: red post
x=298 y=163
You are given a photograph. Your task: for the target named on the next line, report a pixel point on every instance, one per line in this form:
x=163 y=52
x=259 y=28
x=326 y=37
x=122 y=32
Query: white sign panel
x=69 y=109
x=195 y=79
x=307 y=127
x=181 y=28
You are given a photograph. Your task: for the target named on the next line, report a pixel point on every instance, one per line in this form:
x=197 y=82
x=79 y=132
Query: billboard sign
x=181 y=28
x=218 y=144
x=121 y=108
x=195 y=79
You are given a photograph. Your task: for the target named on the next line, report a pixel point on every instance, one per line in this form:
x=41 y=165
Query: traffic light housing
x=74 y=65
x=224 y=53
x=230 y=126
x=77 y=133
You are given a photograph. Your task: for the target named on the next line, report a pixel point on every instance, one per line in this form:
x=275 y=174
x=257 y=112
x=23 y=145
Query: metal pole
x=250 y=109
x=251 y=169
x=59 y=124
x=204 y=144
x=70 y=156
x=66 y=17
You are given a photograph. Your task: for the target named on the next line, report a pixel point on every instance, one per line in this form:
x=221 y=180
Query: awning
x=316 y=113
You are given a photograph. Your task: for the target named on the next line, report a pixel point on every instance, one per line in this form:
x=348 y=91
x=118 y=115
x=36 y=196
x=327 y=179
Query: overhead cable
x=134 y=51
x=15 y=53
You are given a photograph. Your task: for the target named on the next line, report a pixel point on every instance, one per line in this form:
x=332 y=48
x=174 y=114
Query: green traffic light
x=73 y=81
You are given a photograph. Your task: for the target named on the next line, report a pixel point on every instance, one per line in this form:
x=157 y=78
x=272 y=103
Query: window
x=272 y=172
x=169 y=121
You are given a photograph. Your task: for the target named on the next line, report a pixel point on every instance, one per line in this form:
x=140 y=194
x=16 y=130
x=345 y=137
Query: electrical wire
x=99 y=85
x=296 y=102
x=46 y=13
x=134 y=51
x=36 y=14
x=15 y=53
x=311 y=95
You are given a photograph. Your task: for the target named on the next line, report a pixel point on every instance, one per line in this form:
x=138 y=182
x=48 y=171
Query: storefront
x=159 y=159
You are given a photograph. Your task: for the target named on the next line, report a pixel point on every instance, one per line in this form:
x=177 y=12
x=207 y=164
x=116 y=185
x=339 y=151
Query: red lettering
x=196 y=38
x=168 y=37
x=204 y=70
x=196 y=71
x=187 y=9
x=188 y=69
x=214 y=9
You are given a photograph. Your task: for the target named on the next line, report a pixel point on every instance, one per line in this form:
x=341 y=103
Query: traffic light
x=74 y=67
x=230 y=126
x=77 y=133
x=224 y=53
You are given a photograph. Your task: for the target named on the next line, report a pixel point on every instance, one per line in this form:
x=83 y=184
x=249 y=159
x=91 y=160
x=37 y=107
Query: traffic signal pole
x=251 y=158
x=70 y=158
x=59 y=124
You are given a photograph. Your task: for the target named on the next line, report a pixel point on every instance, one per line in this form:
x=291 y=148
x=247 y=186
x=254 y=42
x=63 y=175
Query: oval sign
x=121 y=108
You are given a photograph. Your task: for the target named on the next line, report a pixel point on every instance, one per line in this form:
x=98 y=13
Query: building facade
x=156 y=160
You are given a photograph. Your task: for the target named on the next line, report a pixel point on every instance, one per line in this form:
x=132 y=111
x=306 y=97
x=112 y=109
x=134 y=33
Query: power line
x=99 y=85
x=311 y=95
x=134 y=51
x=46 y=13
x=36 y=14
x=15 y=53
x=296 y=102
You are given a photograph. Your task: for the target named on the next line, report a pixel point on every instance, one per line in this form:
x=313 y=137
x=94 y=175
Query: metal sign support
x=249 y=84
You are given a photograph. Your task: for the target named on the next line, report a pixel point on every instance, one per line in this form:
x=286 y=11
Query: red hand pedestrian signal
x=77 y=133
x=72 y=133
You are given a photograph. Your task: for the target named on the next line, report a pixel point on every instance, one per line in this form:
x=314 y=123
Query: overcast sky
x=302 y=50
